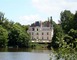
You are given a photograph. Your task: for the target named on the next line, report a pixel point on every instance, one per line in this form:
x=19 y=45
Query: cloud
x=28 y=19
x=47 y=8
x=51 y=6
x=54 y=7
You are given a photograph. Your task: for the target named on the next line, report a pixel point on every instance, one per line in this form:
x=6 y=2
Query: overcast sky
x=29 y=11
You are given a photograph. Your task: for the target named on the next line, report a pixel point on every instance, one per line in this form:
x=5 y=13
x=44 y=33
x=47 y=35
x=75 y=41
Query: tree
x=69 y=25
x=23 y=40
x=75 y=21
x=7 y=25
x=13 y=36
x=1 y=18
x=57 y=37
x=18 y=36
x=66 y=20
x=3 y=37
x=73 y=34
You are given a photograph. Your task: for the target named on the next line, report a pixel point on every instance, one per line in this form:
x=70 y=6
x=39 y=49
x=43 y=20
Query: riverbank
x=40 y=46
x=34 y=46
x=24 y=50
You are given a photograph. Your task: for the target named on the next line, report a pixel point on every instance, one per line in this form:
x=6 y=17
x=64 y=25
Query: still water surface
x=15 y=54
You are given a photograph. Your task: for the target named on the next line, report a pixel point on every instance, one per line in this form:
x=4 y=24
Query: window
x=32 y=29
x=32 y=37
x=32 y=33
x=37 y=34
x=47 y=38
x=42 y=33
x=42 y=37
x=37 y=29
x=37 y=37
x=47 y=33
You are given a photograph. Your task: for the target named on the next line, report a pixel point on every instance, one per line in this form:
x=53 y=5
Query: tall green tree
x=57 y=37
x=75 y=21
x=69 y=25
x=23 y=40
x=13 y=36
x=66 y=20
x=1 y=18
x=17 y=33
x=18 y=36
x=3 y=37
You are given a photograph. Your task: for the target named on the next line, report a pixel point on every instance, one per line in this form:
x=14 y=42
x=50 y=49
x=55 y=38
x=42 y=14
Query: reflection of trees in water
x=64 y=54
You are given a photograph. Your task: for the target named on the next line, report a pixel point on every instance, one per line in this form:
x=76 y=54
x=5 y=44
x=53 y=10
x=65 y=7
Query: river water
x=23 y=54
x=33 y=54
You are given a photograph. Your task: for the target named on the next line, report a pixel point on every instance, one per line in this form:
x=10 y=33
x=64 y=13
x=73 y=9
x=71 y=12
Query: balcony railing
x=41 y=41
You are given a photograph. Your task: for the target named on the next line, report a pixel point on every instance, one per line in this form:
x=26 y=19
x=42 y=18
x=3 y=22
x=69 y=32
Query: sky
x=28 y=11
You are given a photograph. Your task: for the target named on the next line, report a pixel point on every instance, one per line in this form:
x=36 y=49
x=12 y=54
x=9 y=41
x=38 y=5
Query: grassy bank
x=39 y=46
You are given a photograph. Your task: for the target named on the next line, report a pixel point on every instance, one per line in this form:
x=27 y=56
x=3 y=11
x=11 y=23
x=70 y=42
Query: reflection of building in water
x=41 y=32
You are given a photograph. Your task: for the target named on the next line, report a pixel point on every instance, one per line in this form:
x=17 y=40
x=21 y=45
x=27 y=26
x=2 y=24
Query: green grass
x=39 y=46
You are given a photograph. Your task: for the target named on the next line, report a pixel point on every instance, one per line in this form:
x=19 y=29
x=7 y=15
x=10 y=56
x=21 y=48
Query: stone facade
x=40 y=32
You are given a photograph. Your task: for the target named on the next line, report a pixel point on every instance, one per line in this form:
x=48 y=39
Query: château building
x=41 y=32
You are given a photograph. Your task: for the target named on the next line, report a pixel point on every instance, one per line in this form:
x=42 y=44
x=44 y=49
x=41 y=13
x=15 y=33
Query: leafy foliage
x=3 y=37
x=66 y=20
x=65 y=33
x=13 y=34
x=58 y=35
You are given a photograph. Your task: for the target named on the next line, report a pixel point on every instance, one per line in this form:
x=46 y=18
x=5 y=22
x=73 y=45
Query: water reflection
x=27 y=54
x=14 y=50
x=34 y=54
x=23 y=56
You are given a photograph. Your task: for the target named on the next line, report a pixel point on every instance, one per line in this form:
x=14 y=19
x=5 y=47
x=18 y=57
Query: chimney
x=40 y=24
x=48 y=22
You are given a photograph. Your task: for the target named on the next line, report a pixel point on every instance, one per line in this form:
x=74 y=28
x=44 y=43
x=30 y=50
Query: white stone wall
x=41 y=30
